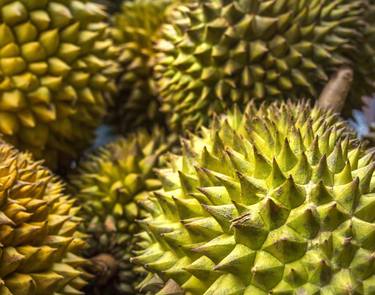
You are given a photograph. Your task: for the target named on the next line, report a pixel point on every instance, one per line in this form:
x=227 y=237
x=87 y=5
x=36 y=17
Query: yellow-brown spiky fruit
x=279 y=200
x=57 y=70
x=39 y=241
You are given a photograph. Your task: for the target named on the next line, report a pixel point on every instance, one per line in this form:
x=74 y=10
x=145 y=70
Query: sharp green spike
x=289 y=194
x=305 y=221
x=218 y=195
x=266 y=272
x=240 y=256
x=250 y=231
x=228 y=284
x=217 y=248
x=202 y=268
x=276 y=177
x=347 y=195
x=208 y=226
x=296 y=274
x=223 y=214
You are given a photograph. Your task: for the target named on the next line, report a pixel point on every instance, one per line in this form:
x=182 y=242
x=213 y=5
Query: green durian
x=137 y=27
x=214 y=53
x=39 y=240
x=57 y=74
x=276 y=200
x=109 y=183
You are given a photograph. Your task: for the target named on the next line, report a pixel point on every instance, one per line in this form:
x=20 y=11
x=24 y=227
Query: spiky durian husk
x=39 y=240
x=217 y=52
x=57 y=70
x=136 y=28
x=109 y=183
x=279 y=200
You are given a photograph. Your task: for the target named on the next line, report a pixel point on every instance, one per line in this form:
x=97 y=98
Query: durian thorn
x=337 y=89
x=104 y=266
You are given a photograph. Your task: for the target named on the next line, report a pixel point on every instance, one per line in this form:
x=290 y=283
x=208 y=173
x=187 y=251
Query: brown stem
x=171 y=288
x=337 y=89
x=104 y=267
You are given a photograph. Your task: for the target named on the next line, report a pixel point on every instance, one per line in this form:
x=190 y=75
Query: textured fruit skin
x=137 y=27
x=279 y=200
x=214 y=53
x=109 y=183
x=57 y=71
x=39 y=240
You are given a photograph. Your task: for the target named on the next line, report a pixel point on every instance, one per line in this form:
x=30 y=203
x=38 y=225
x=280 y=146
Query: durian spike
x=337 y=89
x=105 y=267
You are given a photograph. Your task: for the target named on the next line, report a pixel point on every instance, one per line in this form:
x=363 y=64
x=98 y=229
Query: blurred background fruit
x=109 y=183
x=216 y=53
x=137 y=27
x=58 y=68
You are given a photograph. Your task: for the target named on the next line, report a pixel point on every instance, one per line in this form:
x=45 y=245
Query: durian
x=39 y=240
x=57 y=71
x=214 y=53
x=278 y=200
x=109 y=183
x=137 y=27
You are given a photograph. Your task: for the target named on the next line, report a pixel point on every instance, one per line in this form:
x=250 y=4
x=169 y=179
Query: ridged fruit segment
x=214 y=53
x=109 y=184
x=39 y=240
x=278 y=200
x=57 y=70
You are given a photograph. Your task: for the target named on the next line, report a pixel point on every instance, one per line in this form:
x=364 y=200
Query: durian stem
x=171 y=287
x=104 y=267
x=337 y=89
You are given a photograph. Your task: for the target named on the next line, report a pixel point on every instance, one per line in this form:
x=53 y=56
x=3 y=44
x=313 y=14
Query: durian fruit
x=109 y=183
x=39 y=240
x=137 y=27
x=279 y=200
x=213 y=53
x=57 y=71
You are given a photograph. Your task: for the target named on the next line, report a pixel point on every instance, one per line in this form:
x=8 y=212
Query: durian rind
x=136 y=28
x=57 y=73
x=110 y=183
x=39 y=240
x=214 y=53
x=276 y=200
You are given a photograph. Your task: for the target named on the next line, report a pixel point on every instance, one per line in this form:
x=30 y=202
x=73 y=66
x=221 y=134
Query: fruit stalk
x=337 y=89
x=104 y=267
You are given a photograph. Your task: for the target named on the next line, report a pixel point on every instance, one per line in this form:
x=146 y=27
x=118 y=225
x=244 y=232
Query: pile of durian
x=198 y=147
